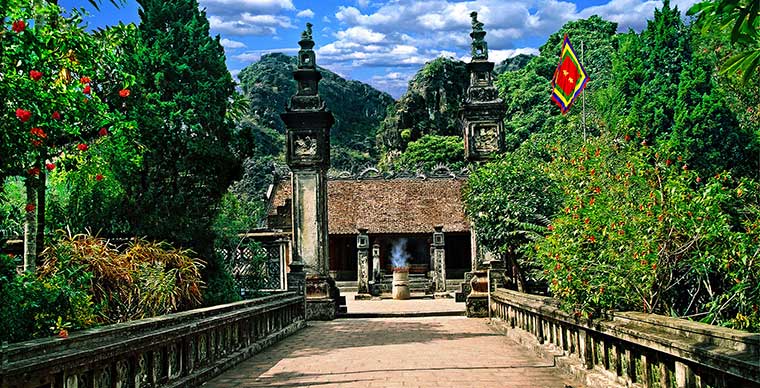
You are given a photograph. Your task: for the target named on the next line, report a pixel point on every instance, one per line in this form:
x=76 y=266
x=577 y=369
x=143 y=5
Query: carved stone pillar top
x=307 y=119
x=482 y=113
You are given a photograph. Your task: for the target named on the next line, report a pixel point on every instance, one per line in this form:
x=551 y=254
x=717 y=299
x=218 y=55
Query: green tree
x=54 y=95
x=180 y=107
x=742 y=18
x=510 y=201
x=431 y=150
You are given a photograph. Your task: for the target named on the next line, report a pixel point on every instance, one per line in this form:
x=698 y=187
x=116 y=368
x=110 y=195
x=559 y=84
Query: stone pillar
x=376 y=284
x=481 y=116
x=308 y=125
x=439 y=263
x=362 y=257
x=482 y=113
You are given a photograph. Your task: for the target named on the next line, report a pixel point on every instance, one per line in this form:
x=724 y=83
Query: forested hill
x=358 y=108
x=429 y=106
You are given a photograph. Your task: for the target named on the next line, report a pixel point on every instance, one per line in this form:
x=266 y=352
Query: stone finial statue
x=306 y=35
x=476 y=25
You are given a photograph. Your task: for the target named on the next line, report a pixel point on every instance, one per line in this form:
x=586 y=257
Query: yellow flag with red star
x=570 y=78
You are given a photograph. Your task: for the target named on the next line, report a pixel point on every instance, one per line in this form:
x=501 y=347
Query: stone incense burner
x=400 y=283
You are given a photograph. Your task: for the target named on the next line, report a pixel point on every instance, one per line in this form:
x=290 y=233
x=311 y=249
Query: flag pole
x=583 y=98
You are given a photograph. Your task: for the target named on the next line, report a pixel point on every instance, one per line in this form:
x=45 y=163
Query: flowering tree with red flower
x=644 y=234
x=45 y=109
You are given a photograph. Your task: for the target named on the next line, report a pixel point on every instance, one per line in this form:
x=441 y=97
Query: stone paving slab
x=390 y=306
x=396 y=352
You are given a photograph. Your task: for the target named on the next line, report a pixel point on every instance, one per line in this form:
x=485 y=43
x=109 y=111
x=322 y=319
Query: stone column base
x=323 y=309
x=323 y=299
x=477 y=305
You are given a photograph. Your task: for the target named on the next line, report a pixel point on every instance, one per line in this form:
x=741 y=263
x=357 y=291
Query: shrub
x=143 y=280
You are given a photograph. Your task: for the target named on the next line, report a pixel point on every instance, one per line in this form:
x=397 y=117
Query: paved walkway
x=396 y=352
x=390 y=306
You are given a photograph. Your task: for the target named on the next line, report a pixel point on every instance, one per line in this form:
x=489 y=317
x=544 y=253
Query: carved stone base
x=464 y=288
x=477 y=305
x=320 y=309
x=323 y=299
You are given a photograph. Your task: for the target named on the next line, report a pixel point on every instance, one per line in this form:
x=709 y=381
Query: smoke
x=399 y=257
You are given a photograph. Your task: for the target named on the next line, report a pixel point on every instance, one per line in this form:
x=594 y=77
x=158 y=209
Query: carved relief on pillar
x=362 y=246
x=439 y=260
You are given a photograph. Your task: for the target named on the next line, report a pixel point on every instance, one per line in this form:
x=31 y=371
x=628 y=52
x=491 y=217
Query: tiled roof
x=389 y=205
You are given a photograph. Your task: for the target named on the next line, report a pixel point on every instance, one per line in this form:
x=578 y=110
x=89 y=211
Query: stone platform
x=396 y=352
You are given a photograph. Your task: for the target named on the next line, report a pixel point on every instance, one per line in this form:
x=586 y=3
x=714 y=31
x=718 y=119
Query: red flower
x=86 y=89
x=23 y=115
x=56 y=115
x=30 y=207
x=19 y=26
x=50 y=166
x=586 y=221
x=85 y=80
x=63 y=333
x=82 y=147
x=591 y=201
x=103 y=132
x=36 y=143
x=627 y=137
x=35 y=75
x=685 y=166
x=550 y=227
x=668 y=162
x=99 y=177
x=38 y=132
x=699 y=179
x=124 y=93
x=34 y=171
x=592 y=239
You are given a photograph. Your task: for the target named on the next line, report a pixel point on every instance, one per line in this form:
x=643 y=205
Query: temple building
x=401 y=211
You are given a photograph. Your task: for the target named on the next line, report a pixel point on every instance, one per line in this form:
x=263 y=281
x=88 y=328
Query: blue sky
x=384 y=42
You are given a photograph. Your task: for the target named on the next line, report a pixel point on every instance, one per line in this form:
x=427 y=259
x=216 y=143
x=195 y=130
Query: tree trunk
x=30 y=225
x=517 y=272
x=41 y=192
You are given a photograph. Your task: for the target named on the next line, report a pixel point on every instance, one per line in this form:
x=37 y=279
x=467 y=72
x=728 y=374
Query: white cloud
x=393 y=82
x=307 y=13
x=236 y=7
x=497 y=56
x=632 y=13
x=360 y=35
x=232 y=44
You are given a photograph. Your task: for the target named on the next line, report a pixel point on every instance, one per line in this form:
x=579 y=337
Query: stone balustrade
x=630 y=349
x=176 y=350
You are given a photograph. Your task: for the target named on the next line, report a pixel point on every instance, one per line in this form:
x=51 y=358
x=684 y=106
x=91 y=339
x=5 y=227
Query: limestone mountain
x=358 y=108
x=514 y=63
x=430 y=105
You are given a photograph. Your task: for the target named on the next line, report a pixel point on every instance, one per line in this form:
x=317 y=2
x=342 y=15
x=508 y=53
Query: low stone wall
x=631 y=349
x=176 y=350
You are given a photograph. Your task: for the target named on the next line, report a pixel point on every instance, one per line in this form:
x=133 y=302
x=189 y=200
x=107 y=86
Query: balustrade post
x=684 y=376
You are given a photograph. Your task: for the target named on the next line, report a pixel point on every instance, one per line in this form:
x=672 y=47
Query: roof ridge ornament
x=479 y=45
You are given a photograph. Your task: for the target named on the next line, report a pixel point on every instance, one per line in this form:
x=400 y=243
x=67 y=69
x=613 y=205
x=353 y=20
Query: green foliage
x=140 y=280
x=180 y=107
x=36 y=306
x=431 y=150
x=429 y=107
x=526 y=91
x=742 y=18
x=641 y=231
x=510 y=201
